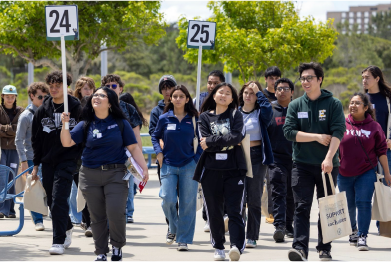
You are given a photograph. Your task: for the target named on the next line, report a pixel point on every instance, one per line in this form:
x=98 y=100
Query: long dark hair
x=241 y=102
x=384 y=87
x=115 y=110
x=189 y=106
x=128 y=98
x=210 y=103
x=13 y=106
x=367 y=102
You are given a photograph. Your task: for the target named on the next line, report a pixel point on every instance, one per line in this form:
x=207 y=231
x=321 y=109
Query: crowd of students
x=290 y=143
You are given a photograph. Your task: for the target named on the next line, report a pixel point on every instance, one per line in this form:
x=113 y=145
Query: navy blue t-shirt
x=379 y=102
x=105 y=143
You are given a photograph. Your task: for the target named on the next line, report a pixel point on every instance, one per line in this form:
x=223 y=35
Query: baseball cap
x=9 y=90
x=166 y=78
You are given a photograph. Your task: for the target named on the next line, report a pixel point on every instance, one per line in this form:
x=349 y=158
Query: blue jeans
x=182 y=224
x=359 y=191
x=37 y=217
x=129 y=202
x=74 y=215
x=9 y=157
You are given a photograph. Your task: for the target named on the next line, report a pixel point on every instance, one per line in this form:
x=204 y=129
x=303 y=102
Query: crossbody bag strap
x=389 y=118
x=355 y=133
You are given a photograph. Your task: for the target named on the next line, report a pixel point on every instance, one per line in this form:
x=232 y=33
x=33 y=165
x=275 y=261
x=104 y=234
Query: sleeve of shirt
x=291 y=125
x=266 y=112
x=21 y=130
x=204 y=131
x=36 y=138
x=135 y=119
x=199 y=148
x=232 y=138
x=129 y=137
x=157 y=135
x=77 y=133
x=337 y=124
x=153 y=121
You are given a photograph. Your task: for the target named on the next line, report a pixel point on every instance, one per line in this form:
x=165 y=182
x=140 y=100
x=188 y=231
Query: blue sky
x=317 y=9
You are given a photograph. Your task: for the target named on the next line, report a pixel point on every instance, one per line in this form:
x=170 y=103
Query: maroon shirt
x=354 y=161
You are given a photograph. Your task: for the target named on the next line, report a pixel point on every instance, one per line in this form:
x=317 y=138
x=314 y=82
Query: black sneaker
x=362 y=244
x=170 y=238
x=1 y=215
x=289 y=232
x=353 y=238
x=11 y=216
x=101 y=257
x=129 y=219
x=296 y=255
x=324 y=255
x=117 y=254
x=279 y=234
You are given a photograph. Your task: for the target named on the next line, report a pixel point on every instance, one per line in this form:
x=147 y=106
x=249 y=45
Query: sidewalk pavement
x=146 y=239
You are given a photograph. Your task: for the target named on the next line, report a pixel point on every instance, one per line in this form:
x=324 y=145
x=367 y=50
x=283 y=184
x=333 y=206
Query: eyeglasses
x=113 y=86
x=357 y=103
x=285 y=88
x=99 y=95
x=308 y=78
x=39 y=97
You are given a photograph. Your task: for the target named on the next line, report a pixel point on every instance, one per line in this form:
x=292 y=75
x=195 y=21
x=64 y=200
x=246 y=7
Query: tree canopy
x=253 y=35
x=23 y=32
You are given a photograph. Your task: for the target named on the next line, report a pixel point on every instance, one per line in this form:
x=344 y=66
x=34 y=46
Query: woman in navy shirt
x=105 y=132
x=178 y=161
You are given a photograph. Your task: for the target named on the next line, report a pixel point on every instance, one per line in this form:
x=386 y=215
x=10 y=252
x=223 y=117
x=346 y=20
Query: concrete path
x=146 y=239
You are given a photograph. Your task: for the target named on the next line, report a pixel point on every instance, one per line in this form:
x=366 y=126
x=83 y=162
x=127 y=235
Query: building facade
x=360 y=15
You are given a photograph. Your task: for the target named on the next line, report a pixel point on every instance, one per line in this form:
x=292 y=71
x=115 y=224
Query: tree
x=23 y=33
x=253 y=35
x=380 y=25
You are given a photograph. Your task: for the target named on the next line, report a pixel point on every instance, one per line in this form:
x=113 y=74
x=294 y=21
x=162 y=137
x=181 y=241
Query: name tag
x=98 y=135
x=13 y=165
x=302 y=115
x=221 y=156
x=171 y=127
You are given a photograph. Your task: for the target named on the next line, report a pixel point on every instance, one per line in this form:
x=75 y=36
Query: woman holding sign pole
x=363 y=143
x=103 y=167
x=222 y=168
x=177 y=128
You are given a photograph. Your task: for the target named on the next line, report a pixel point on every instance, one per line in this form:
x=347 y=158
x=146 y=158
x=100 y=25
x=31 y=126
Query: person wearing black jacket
x=58 y=163
x=280 y=172
x=222 y=168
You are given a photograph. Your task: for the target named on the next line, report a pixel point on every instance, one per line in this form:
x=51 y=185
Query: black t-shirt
x=271 y=96
x=379 y=103
x=11 y=113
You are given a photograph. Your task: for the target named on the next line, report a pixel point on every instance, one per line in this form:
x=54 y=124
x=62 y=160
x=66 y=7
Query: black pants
x=219 y=188
x=84 y=213
x=57 y=181
x=254 y=191
x=283 y=203
x=304 y=178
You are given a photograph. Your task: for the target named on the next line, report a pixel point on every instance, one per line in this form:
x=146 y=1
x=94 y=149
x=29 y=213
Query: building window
x=350 y=27
x=344 y=31
x=358 y=31
x=351 y=20
x=343 y=15
x=343 y=20
x=358 y=14
x=374 y=13
x=366 y=14
x=359 y=26
x=358 y=20
x=366 y=20
x=366 y=26
x=351 y=14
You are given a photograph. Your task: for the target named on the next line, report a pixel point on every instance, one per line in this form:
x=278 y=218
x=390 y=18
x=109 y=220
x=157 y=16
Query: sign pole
x=64 y=78
x=199 y=78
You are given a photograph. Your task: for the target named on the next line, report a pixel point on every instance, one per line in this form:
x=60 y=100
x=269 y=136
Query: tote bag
x=80 y=201
x=333 y=212
x=35 y=196
x=246 y=149
x=381 y=209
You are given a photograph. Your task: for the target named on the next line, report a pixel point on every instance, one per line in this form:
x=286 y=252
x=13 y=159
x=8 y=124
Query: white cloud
x=174 y=9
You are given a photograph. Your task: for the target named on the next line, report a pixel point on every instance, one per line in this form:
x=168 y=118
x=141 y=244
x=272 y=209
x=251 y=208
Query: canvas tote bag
x=334 y=214
x=381 y=209
x=35 y=196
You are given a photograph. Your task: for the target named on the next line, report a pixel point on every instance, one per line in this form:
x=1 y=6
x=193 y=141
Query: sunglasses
x=99 y=95
x=113 y=86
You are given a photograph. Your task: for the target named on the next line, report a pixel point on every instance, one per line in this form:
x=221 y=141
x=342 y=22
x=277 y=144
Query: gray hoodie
x=23 y=134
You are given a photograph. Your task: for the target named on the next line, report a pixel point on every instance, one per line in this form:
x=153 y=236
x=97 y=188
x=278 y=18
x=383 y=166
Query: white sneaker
x=39 y=227
x=219 y=255
x=234 y=254
x=88 y=232
x=206 y=227
x=226 y=219
x=56 y=249
x=68 y=239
